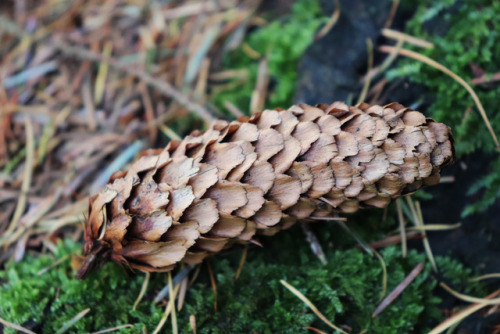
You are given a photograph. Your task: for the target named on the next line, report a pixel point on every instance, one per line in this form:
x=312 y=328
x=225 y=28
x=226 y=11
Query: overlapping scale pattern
x=259 y=175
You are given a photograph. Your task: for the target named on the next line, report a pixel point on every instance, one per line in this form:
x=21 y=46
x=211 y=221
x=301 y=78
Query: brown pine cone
x=259 y=175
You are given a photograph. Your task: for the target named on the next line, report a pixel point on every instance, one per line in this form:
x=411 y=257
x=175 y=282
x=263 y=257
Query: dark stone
x=331 y=68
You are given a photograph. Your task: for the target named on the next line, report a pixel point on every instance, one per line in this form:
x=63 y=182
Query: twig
x=487 y=78
x=397 y=291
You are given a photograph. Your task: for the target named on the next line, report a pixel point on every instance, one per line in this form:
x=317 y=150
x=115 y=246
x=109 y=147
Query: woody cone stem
x=260 y=175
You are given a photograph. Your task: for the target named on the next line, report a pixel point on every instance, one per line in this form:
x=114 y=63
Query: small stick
x=397 y=291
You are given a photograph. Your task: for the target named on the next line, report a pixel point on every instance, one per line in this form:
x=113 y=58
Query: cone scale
x=260 y=175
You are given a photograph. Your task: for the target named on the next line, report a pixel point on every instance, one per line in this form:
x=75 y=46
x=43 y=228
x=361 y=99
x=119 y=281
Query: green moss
x=283 y=41
x=464 y=33
x=346 y=290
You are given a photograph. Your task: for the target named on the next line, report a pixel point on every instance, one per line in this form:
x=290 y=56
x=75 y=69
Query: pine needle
x=401 y=36
x=113 y=329
x=434 y=227
x=102 y=73
x=458 y=317
x=28 y=173
x=487 y=276
x=182 y=293
x=313 y=242
x=73 y=321
x=436 y=65
x=16 y=327
x=418 y=221
x=168 y=309
x=172 y=303
x=214 y=284
x=384 y=274
x=397 y=291
x=331 y=22
x=392 y=13
x=470 y=299
x=310 y=305
x=242 y=262
x=169 y=133
x=404 y=248
x=55 y=264
x=143 y=290
x=316 y=330
x=192 y=322
x=425 y=240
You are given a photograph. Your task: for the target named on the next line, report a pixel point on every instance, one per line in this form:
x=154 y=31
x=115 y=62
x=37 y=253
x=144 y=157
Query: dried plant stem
x=436 y=65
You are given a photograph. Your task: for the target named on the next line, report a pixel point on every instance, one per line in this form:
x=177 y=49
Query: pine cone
x=260 y=175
